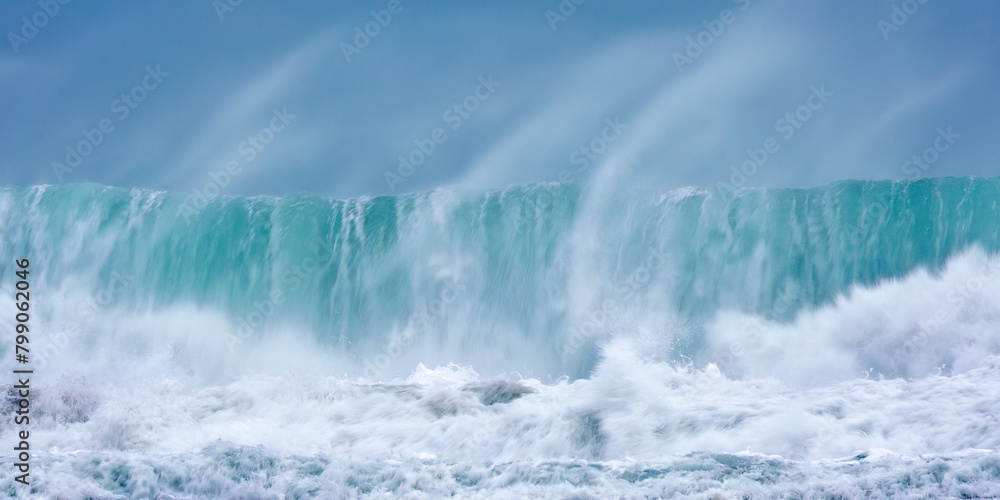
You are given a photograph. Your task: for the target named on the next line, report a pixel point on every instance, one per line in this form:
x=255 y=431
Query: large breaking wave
x=445 y=342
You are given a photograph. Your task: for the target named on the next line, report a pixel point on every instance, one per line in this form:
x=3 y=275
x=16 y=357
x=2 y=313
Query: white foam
x=921 y=325
x=160 y=391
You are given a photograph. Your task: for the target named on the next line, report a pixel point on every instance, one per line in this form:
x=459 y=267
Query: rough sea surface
x=839 y=342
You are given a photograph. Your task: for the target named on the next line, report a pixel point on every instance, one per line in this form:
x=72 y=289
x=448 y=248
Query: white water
x=855 y=398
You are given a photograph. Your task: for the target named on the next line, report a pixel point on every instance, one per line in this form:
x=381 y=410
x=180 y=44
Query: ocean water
x=533 y=342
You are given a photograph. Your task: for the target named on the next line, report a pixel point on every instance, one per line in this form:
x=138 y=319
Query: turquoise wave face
x=794 y=335
x=781 y=250
x=503 y=271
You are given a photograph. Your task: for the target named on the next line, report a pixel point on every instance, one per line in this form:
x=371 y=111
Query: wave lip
x=523 y=267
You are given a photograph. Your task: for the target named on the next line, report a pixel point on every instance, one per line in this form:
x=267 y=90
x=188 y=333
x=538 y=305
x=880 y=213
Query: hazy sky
x=181 y=86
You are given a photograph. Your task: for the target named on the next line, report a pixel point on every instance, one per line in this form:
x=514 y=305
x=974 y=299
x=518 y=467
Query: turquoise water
x=530 y=342
x=352 y=271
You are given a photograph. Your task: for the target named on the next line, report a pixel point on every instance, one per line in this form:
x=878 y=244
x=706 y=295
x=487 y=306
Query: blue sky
x=890 y=92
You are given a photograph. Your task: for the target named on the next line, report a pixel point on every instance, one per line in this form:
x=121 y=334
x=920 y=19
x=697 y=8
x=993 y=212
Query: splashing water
x=833 y=341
